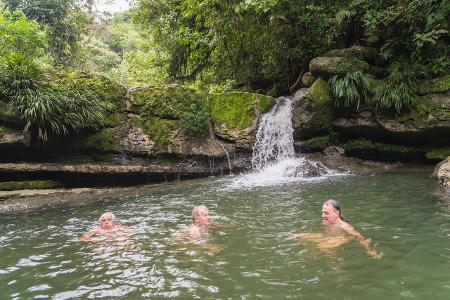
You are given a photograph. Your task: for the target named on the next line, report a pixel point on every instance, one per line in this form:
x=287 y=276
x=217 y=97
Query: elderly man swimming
x=108 y=230
x=337 y=231
x=201 y=222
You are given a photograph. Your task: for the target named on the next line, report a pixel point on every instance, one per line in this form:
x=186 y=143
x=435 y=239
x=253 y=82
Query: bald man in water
x=108 y=230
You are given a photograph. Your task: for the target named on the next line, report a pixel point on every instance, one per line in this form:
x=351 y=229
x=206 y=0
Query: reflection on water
x=41 y=257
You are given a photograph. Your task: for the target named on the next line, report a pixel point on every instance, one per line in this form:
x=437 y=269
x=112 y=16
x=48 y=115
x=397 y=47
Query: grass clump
x=349 y=89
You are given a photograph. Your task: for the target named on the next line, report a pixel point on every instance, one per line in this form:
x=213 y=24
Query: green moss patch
x=114 y=119
x=238 y=109
x=436 y=85
x=321 y=92
x=363 y=145
x=438 y=154
x=32 y=185
x=318 y=143
x=166 y=101
x=159 y=130
x=103 y=141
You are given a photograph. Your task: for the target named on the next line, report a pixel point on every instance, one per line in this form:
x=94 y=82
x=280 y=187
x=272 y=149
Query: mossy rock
x=32 y=185
x=317 y=143
x=159 y=130
x=102 y=141
x=321 y=92
x=165 y=101
x=308 y=79
x=314 y=115
x=114 y=119
x=436 y=85
x=107 y=91
x=364 y=53
x=238 y=109
x=329 y=66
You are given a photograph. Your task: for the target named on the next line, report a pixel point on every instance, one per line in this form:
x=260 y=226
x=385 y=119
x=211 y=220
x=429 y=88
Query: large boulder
x=235 y=115
x=329 y=66
x=442 y=173
x=366 y=54
x=312 y=113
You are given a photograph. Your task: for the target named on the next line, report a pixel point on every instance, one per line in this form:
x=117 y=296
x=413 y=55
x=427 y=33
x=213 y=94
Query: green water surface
x=405 y=213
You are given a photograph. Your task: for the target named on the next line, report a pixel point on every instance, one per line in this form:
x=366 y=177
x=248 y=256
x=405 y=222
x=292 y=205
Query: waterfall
x=274 y=160
x=274 y=140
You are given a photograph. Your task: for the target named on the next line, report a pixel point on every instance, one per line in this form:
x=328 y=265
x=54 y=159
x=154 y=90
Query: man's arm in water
x=88 y=235
x=365 y=242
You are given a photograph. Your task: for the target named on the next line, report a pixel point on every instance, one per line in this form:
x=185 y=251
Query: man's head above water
x=331 y=212
x=107 y=220
x=200 y=216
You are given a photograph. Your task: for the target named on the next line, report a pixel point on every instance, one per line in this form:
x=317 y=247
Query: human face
x=203 y=218
x=329 y=215
x=107 y=223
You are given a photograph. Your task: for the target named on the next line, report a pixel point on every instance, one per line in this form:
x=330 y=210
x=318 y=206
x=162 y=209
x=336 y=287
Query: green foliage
x=350 y=89
x=45 y=107
x=63 y=20
x=195 y=119
x=158 y=129
x=33 y=185
x=394 y=96
x=250 y=42
x=103 y=141
x=397 y=92
x=20 y=36
x=438 y=154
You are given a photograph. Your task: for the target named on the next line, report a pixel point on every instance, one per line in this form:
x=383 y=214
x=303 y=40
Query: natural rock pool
x=41 y=257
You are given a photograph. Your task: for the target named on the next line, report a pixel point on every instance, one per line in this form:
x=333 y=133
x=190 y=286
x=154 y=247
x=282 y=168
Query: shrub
x=45 y=107
x=195 y=119
x=350 y=89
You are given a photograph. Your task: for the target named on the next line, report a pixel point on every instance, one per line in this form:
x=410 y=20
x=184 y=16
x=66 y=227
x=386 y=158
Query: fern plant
x=350 y=89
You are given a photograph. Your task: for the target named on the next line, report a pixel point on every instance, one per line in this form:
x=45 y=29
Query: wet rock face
x=312 y=110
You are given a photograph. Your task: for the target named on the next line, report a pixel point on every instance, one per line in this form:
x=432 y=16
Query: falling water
x=274 y=160
x=274 y=140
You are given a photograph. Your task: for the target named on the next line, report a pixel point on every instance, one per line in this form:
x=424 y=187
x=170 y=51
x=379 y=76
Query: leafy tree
x=65 y=24
x=20 y=36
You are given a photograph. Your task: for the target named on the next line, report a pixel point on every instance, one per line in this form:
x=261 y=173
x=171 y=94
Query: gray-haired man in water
x=334 y=223
x=201 y=221
x=108 y=230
